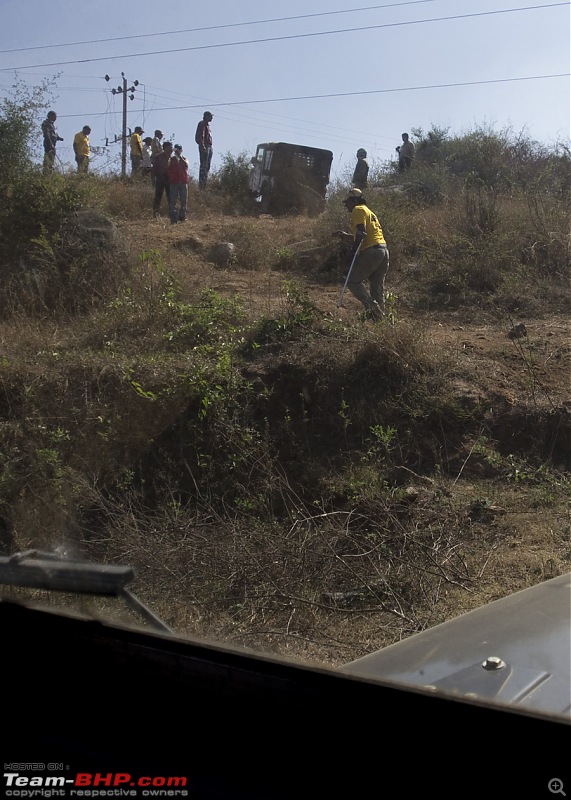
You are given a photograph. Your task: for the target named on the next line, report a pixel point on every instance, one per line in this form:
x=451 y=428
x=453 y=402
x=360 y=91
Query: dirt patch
x=532 y=369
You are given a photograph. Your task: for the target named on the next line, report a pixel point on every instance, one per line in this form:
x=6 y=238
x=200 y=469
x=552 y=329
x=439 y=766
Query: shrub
x=19 y=121
x=55 y=254
x=232 y=176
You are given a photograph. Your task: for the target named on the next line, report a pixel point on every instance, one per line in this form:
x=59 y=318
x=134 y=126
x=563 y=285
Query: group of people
x=81 y=147
x=168 y=169
x=369 y=253
x=147 y=158
x=405 y=154
x=169 y=174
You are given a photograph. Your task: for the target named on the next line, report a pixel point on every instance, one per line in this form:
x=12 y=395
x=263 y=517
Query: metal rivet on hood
x=494 y=662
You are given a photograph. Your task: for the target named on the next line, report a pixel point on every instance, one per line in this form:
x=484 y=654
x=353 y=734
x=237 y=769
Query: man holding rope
x=370 y=256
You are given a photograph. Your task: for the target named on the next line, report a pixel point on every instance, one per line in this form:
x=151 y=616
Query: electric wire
x=333 y=136
x=216 y=27
x=287 y=38
x=359 y=93
x=279 y=117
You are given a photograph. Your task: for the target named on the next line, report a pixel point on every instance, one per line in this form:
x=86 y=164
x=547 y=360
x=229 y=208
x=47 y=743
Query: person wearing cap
x=51 y=138
x=156 y=149
x=203 y=139
x=178 y=182
x=136 y=150
x=160 y=175
x=361 y=170
x=372 y=260
x=81 y=148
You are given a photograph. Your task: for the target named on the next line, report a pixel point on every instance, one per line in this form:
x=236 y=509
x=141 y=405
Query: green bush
x=232 y=176
x=19 y=124
x=55 y=253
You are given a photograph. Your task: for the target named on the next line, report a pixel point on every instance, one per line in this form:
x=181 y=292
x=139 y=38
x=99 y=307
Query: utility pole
x=130 y=93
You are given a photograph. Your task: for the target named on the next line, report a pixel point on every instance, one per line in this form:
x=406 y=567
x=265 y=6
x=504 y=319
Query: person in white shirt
x=147 y=164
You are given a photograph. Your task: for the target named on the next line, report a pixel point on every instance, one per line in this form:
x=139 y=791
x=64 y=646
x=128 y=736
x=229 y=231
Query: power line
x=289 y=37
x=384 y=91
x=279 y=117
x=355 y=94
x=371 y=91
x=217 y=27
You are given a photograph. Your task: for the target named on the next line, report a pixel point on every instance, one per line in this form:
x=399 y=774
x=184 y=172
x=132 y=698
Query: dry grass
x=281 y=473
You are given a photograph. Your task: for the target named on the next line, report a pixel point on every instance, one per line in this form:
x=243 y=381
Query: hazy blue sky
x=362 y=84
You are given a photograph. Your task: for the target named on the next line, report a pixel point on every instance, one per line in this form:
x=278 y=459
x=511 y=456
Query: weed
x=299 y=315
x=384 y=437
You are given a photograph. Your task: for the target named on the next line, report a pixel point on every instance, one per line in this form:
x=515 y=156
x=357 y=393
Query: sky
x=336 y=74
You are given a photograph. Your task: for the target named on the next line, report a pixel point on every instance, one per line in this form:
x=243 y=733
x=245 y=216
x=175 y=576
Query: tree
x=20 y=118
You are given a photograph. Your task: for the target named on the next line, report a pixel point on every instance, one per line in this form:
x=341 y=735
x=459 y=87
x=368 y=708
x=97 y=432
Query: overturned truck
x=290 y=178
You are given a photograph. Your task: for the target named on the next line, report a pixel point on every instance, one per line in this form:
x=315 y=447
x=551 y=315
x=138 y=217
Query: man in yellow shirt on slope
x=81 y=148
x=371 y=255
x=136 y=150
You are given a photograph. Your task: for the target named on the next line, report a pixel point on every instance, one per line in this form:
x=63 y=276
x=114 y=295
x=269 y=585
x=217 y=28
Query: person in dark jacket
x=178 y=181
x=160 y=176
x=406 y=153
x=361 y=173
x=51 y=138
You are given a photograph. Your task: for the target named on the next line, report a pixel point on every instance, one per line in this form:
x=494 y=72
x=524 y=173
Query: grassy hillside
x=282 y=472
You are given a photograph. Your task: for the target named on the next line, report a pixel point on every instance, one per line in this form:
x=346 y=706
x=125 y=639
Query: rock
x=518 y=332
x=223 y=253
x=191 y=242
x=93 y=227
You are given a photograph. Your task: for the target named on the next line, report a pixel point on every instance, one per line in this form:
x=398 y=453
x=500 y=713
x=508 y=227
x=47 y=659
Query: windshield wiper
x=37 y=569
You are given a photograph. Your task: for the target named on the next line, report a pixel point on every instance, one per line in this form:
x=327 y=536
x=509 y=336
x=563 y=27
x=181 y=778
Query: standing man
x=160 y=174
x=156 y=149
x=361 y=170
x=81 y=148
x=147 y=163
x=203 y=139
x=156 y=144
x=178 y=182
x=136 y=151
x=406 y=153
x=50 y=140
x=372 y=261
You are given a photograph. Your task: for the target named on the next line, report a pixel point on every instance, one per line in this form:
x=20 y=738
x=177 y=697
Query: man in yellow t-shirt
x=81 y=148
x=372 y=261
x=136 y=150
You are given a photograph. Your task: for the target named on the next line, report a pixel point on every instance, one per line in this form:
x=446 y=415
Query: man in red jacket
x=178 y=184
x=203 y=139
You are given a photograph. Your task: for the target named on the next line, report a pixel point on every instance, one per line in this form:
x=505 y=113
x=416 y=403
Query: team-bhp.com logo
x=96 y=784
